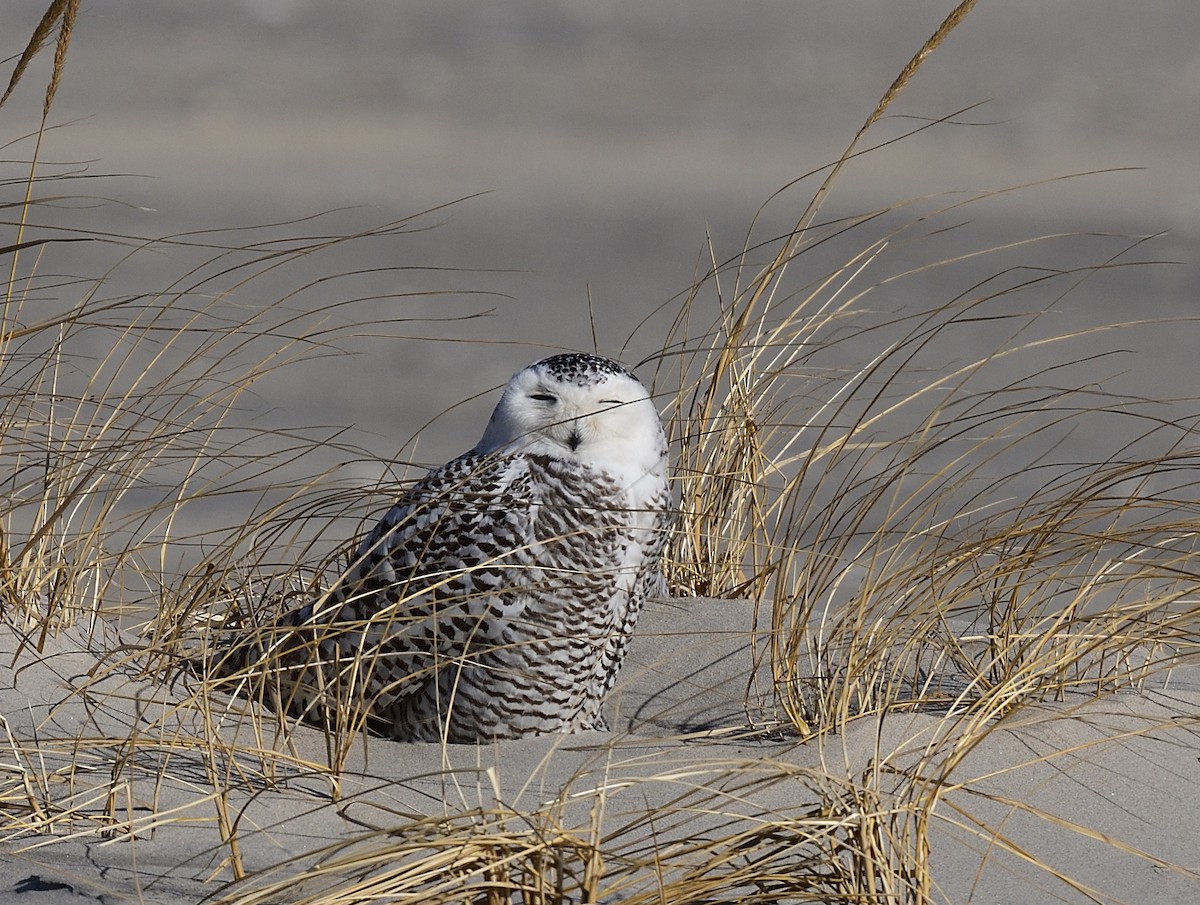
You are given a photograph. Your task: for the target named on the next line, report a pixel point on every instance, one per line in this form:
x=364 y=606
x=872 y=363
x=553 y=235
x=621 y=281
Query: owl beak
x=574 y=439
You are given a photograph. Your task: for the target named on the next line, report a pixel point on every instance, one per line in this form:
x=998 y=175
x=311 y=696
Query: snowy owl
x=496 y=598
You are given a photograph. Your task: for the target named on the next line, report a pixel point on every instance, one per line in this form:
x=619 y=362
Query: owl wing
x=457 y=534
x=449 y=536
x=445 y=574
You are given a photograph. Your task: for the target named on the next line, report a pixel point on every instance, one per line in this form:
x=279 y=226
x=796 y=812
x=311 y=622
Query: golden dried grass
x=828 y=496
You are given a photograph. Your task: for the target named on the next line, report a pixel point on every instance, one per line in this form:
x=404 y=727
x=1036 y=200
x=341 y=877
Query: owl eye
x=544 y=397
x=611 y=402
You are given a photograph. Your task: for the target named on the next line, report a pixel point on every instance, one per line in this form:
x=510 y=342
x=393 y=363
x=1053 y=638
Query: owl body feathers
x=497 y=597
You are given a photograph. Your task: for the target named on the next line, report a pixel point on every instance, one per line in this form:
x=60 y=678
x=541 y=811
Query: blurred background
x=600 y=143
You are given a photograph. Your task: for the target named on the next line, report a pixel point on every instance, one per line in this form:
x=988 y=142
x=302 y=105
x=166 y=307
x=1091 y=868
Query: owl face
x=579 y=408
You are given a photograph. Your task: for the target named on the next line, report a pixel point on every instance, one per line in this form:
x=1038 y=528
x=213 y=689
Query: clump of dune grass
x=823 y=840
x=873 y=509
x=120 y=414
x=911 y=545
x=900 y=516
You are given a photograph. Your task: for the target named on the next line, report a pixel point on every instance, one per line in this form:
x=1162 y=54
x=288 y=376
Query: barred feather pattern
x=496 y=599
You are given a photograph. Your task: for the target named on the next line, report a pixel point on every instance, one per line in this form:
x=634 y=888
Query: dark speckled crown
x=581 y=369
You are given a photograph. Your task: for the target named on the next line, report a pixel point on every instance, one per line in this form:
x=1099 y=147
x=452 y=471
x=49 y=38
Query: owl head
x=580 y=408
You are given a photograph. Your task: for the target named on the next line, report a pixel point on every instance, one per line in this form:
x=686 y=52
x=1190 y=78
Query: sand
x=1102 y=791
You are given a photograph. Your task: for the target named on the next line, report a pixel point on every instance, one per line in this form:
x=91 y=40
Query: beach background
x=936 y=620
x=609 y=139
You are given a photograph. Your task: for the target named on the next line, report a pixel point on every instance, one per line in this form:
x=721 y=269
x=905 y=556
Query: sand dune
x=1102 y=791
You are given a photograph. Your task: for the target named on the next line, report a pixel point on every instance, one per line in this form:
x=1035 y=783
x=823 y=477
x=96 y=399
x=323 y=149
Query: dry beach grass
x=913 y=658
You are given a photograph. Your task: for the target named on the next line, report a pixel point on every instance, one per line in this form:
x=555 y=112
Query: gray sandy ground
x=1122 y=768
